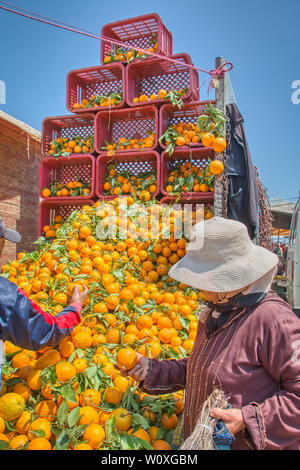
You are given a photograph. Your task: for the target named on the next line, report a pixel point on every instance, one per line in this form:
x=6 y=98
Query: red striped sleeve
x=64 y=320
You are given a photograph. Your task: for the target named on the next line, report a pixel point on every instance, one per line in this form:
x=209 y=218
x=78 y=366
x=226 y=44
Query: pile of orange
x=187 y=134
x=128 y=55
x=65 y=146
x=162 y=94
x=126 y=143
x=96 y=101
x=49 y=230
x=71 y=189
x=142 y=186
x=71 y=396
x=188 y=177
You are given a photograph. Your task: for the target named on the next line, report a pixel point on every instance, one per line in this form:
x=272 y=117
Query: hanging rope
x=214 y=73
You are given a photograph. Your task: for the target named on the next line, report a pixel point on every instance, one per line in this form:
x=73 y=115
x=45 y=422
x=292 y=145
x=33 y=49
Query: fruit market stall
x=139 y=159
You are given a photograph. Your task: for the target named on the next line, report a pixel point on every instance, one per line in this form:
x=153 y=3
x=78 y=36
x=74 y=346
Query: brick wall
x=19 y=175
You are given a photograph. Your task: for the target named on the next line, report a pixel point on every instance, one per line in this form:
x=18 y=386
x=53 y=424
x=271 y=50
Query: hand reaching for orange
x=140 y=371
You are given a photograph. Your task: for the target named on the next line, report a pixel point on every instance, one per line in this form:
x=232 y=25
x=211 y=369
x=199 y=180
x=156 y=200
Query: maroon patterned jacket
x=255 y=358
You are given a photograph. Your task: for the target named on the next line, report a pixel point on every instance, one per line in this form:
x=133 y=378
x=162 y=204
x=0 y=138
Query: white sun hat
x=221 y=257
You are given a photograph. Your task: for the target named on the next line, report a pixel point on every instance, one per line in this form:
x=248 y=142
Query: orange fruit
x=83 y=446
x=113 y=336
x=126 y=357
x=142 y=434
x=112 y=301
x=188 y=345
x=219 y=144
x=203 y=188
x=11 y=406
x=10 y=348
x=65 y=371
x=2 y=425
x=80 y=364
x=122 y=383
x=20 y=359
x=61 y=298
x=162 y=93
x=113 y=395
x=180 y=141
x=160 y=444
x=18 y=442
x=23 y=422
x=40 y=424
x=46 y=192
x=123 y=419
x=22 y=390
x=216 y=167
x=46 y=409
x=165 y=335
x=104 y=416
x=47 y=392
x=66 y=348
x=82 y=340
x=4 y=438
x=143 y=98
x=144 y=321
x=90 y=397
x=39 y=443
x=179 y=405
x=88 y=415
x=169 y=422
x=110 y=370
x=85 y=231
x=50 y=358
x=163 y=322
x=94 y=435
x=207 y=139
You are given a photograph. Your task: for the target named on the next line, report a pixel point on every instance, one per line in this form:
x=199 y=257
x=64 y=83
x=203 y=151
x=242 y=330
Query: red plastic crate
x=66 y=170
x=101 y=80
x=48 y=210
x=197 y=156
x=149 y=76
x=133 y=123
x=137 y=32
x=169 y=115
x=136 y=163
x=66 y=127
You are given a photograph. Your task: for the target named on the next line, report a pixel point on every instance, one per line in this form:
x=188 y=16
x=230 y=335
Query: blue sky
x=260 y=37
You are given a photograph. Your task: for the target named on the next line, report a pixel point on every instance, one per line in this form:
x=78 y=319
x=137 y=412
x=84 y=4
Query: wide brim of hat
x=228 y=276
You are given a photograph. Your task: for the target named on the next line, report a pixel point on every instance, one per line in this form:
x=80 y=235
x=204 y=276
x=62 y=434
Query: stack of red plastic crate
x=127 y=118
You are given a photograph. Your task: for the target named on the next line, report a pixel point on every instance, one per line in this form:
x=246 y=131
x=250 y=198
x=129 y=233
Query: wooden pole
x=219 y=85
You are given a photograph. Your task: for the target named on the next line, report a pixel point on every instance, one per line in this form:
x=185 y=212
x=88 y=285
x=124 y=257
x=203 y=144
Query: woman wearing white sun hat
x=247 y=343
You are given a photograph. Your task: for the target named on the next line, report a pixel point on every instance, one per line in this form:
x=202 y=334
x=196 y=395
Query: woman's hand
x=79 y=297
x=233 y=418
x=139 y=371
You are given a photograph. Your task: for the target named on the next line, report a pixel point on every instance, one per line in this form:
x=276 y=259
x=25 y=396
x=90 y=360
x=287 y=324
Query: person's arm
x=165 y=376
x=274 y=423
x=157 y=377
x=26 y=325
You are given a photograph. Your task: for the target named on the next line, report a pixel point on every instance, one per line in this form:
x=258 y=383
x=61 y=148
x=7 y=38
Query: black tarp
x=242 y=201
